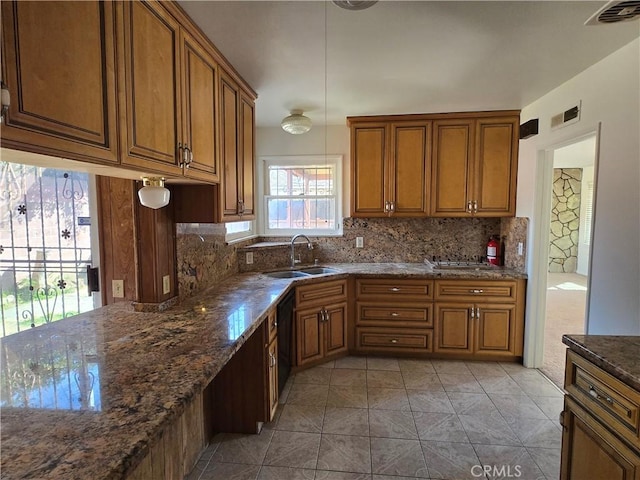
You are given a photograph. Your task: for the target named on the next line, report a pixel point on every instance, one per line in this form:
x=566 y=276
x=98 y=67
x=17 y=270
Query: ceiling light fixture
x=153 y=194
x=354 y=4
x=296 y=123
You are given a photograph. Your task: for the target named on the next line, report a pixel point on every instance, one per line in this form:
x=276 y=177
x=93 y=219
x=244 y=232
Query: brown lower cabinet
x=473 y=319
x=244 y=394
x=601 y=425
x=320 y=321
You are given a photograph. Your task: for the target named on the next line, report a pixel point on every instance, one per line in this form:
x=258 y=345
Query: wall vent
x=568 y=117
x=615 y=12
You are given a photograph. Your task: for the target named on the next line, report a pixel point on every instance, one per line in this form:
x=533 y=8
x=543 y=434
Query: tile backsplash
x=204 y=258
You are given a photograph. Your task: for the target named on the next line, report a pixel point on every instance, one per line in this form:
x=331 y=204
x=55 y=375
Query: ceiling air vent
x=568 y=117
x=614 y=12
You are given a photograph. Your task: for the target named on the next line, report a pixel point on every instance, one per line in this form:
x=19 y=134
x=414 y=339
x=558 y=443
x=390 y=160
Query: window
x=588 y=216
x=238 y=230
x=302 y=194
x=45 y=245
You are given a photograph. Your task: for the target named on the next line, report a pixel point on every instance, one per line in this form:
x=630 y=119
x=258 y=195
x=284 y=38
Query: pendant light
x=296 y=123
x=153 y=194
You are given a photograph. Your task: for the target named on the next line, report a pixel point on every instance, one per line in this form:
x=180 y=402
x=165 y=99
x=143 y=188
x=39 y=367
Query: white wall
x=610 y=95
x=275 y=141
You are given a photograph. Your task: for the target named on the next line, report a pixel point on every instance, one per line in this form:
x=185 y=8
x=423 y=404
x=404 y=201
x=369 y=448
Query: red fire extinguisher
x=493 y=250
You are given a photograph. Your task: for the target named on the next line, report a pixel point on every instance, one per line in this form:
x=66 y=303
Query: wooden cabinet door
x=495 y=329
x=272 y=377
x=453 y=328
x=452 y=168
x=246 y=159
x=409 y=170
x=590 y=450
x=335 y=329
x=150 y=67
x=59 y=66
x=368 y=170
x=309 y=339
x=200 y=102
x=229 y=181
x=496 y=166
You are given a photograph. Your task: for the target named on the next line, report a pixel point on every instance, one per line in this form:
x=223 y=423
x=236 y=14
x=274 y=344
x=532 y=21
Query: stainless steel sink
x=318 y=270
x=287 y=274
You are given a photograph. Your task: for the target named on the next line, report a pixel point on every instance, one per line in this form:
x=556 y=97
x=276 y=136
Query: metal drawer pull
x=476 y=291
x=594 y=393
x=395 y=289
x=393 y=340
x=473 y=312
x=394 y=314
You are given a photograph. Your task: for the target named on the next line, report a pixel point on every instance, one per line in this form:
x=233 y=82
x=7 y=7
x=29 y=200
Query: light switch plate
x=520 y=248
x=359 y=242
x=166 y=284
x=249 y=258
x=117 y=288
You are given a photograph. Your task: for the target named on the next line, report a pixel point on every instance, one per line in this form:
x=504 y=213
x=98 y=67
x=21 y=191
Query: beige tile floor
x=374 y=418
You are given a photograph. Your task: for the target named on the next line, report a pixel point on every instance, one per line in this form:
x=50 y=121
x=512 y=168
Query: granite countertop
x=86 y=396
x=617 y=355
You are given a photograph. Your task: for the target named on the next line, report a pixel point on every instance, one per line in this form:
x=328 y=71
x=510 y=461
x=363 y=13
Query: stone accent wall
x=565 y=220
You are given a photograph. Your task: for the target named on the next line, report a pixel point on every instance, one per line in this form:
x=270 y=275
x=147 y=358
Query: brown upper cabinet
x=441 y=165
x=58 y=63
x=475 y=162
x=128 y=84
x=235 y=197
x=390 y=168
x=169 y=96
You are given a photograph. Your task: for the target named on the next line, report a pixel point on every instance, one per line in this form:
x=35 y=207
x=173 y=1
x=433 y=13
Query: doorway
x=571 y=217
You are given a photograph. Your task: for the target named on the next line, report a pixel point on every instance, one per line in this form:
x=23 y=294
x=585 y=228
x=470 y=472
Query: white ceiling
x=404 y=57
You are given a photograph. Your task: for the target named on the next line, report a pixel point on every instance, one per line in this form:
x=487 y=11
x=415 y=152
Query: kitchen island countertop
x=616 y=355
x=86 y=397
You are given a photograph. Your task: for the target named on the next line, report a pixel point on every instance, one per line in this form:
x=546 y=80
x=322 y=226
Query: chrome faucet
x=293 y=247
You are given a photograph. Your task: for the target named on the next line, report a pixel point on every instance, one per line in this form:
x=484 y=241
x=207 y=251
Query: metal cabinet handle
x=240 y=207
x=394 y=314
x=386 y=207
x=594 y=393
x=188 y=156
x=473 y=312
x=392 y=207
x=469 y=209
x=395 y=289
x=180 y=155
x=478 y=312
x=475 y=206
x=5 y=101
x=393 y=340
x=475 y=290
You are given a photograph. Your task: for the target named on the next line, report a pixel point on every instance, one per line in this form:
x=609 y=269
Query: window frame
x=239 y=236
x=334 y=160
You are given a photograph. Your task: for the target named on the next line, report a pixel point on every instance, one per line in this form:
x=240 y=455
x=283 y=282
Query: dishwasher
x=284 y=314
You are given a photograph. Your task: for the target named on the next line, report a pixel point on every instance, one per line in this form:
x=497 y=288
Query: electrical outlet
x=359 y=242
x=249 y=258
x=520 y=248
x=117 y=288
x=166 y=284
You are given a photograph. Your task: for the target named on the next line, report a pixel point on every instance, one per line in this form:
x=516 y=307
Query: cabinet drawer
x=604 y=396
x=272 y=325
x=321 y=293
x=387 y=339
x=377 y=313
x=388 y=288
x=476 y=291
